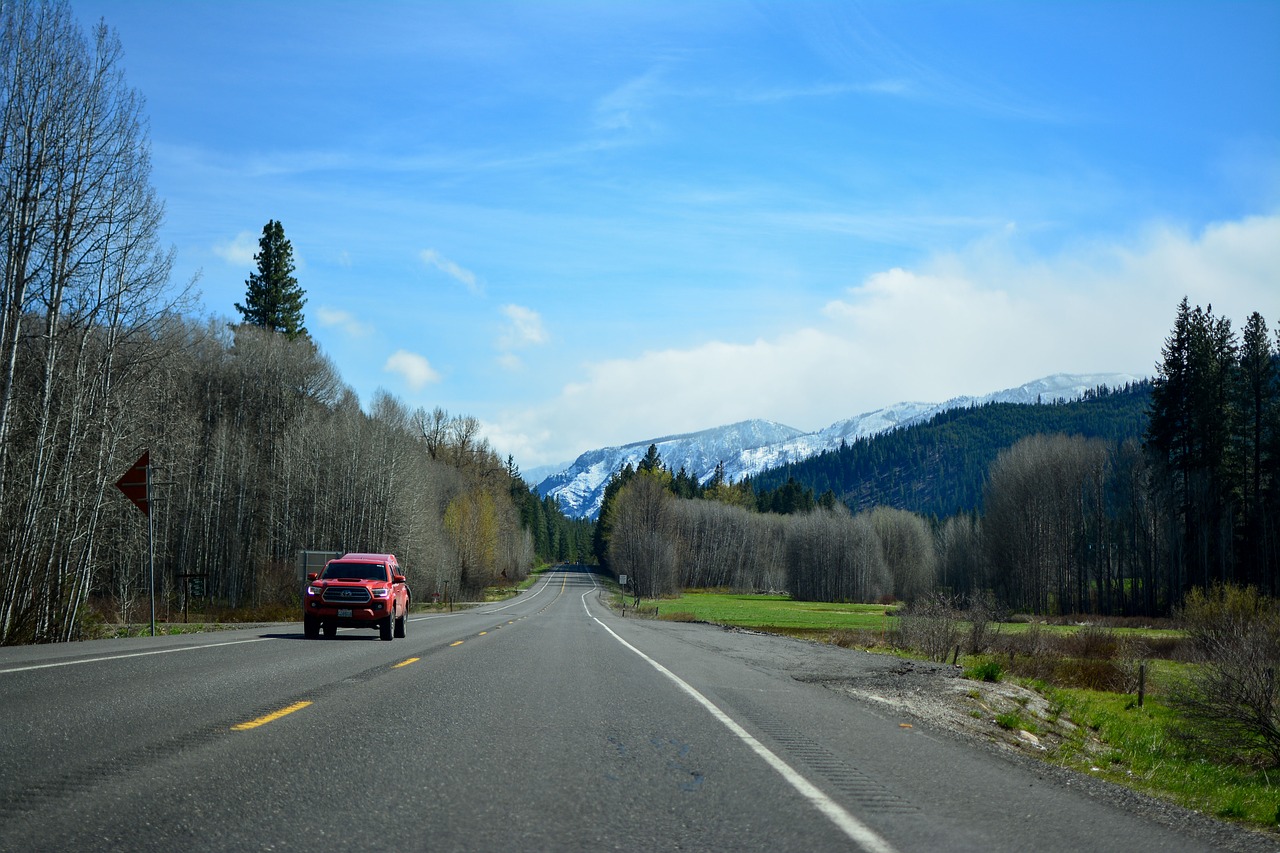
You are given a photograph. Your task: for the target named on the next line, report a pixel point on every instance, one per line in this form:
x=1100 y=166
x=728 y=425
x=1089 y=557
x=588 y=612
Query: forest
x=1119 y=504
x=257 y=448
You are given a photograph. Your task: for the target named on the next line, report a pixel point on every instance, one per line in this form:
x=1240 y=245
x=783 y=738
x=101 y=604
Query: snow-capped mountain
x=749 y=447
x=580 y=488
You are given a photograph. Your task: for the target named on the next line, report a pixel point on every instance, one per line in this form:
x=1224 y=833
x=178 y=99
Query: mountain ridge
x=748 y=448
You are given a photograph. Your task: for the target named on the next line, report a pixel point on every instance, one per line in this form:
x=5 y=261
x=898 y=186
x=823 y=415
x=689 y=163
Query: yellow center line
x=269 y=718
x=451 y=645
x=405 y=663
x=482 y=633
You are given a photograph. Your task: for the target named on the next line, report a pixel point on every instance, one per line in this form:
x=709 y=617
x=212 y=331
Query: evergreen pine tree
x=1259 y=383
x=273 y=298
x=651 y=461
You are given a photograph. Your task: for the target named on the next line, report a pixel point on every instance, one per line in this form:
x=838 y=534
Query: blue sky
x=592 y=223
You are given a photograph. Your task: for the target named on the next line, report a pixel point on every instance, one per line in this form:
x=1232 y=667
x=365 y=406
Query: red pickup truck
x=356 y=591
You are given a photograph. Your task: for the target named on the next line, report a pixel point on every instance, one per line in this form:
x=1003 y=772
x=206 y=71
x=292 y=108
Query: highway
x=543 y=723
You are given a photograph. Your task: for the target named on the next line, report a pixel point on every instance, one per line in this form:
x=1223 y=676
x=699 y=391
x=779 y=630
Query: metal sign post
x=136 y=486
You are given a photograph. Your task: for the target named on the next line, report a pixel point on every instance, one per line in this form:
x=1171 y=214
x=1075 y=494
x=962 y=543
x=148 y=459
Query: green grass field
x=772 y=611
x=765 y=612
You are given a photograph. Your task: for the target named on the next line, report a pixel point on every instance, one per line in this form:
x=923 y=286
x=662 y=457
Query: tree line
x=258 y=449
x=1066 y=522
x=720 y=538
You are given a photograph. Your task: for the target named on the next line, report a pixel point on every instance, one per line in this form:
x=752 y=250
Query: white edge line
x=208 y=646
x=546 y=581
x=130 y=655
x=857 y=831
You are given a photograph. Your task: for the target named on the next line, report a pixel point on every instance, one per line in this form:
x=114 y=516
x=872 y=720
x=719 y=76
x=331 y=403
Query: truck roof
x=368 y=558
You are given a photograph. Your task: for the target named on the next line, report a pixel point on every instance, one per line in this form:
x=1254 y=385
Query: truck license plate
x=344 y=612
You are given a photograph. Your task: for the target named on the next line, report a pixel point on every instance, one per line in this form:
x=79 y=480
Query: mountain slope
x=938 y=467
x=580 y=488
x=750 y=448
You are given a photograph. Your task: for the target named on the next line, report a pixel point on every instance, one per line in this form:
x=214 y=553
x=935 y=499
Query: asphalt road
x=543 y=723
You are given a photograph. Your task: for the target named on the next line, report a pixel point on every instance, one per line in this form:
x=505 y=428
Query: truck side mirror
x=397 y=578
x=312 y=576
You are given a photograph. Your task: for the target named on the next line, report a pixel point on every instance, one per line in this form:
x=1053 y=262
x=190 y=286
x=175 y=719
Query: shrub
x=1105 y=675
x=986 y=671
x=930 y=625
x=1230 y=705
x=981 y=612
x=1092 y=643
x=1010 y=720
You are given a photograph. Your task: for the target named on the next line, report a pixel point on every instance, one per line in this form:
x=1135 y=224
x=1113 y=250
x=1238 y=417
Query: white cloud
x=432 y=258
x=239 y=251
x=510 y=363
x=967 y=323
x=415 y=369
x=331 y=317
x=524 y=328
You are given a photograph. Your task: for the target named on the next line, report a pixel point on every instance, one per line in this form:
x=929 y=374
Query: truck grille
x=347 y=595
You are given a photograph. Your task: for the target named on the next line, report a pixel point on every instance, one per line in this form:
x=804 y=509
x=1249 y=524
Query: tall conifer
x=273 y=298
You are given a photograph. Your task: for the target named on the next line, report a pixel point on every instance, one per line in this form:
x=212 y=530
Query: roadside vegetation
x=1198 y=735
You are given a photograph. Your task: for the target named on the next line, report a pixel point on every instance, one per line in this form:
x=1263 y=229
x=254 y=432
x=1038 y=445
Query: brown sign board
x=134 y=483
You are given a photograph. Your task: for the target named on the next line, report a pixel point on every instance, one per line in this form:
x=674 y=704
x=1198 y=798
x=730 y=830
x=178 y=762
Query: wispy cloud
x=895 y=88
x=852 y=44
x=432 y=258
x=344 y=320
x=239 y=251
x=416 y=371
x=628 y=106
x=524 y=328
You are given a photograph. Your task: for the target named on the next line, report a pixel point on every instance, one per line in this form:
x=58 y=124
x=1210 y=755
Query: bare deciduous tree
x=81 y=284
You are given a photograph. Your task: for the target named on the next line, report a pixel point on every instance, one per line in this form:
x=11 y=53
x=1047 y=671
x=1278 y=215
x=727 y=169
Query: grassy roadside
x=1139 y=747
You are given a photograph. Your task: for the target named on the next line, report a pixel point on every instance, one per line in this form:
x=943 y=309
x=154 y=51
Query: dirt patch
x=1001 y=713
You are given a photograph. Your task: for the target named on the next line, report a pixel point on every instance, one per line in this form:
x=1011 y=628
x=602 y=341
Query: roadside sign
x=134 y=483
x=622 y=580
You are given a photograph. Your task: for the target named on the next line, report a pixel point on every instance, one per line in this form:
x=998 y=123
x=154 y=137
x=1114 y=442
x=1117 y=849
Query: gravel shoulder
x=937 y=697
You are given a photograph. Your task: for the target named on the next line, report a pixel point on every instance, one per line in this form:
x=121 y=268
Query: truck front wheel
x=311 y=627
x=384 y=627
x=399 y=632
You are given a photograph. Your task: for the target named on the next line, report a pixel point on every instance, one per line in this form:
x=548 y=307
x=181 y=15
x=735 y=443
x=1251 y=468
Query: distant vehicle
x=356 y=591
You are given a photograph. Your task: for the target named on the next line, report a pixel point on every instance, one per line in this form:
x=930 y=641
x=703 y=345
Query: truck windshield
x=356 y=571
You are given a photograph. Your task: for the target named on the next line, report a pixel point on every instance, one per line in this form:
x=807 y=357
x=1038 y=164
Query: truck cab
x=356 y=591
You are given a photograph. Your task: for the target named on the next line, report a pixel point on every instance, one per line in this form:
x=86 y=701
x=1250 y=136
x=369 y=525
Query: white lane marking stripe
x=857 y=831
x=546 y=581
x=130 y=655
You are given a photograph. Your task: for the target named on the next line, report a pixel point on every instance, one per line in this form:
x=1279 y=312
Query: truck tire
x=399 y=631
x=384 y=628
x=311 y=627
x=330 y=630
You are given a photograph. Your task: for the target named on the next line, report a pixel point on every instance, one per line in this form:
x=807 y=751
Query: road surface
x=542 y=723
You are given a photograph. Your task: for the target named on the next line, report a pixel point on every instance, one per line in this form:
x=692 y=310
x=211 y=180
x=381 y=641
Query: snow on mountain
x=749 y=447
x=580 y=488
